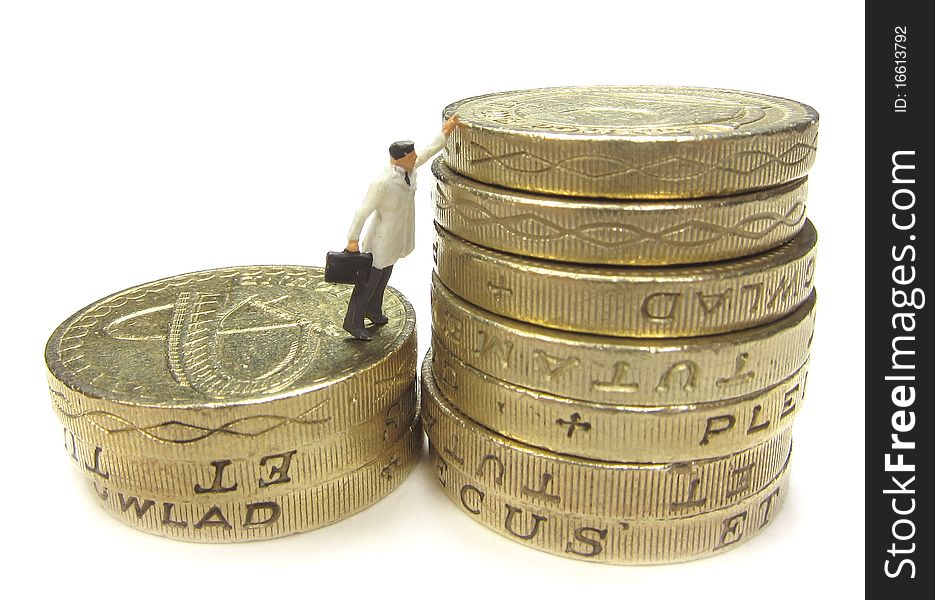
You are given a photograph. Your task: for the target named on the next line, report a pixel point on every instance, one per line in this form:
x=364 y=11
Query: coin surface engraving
x=632 y=142
x=598 y=231
x=230 y=335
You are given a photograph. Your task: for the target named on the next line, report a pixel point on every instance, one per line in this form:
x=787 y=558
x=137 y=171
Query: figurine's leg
x=354 y=319
x=374 y=310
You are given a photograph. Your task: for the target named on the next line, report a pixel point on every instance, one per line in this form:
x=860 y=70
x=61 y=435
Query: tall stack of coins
x=229 y=405
x=622 y=311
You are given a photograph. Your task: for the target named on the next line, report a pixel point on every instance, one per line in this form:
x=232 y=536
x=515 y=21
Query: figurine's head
x=403 y=154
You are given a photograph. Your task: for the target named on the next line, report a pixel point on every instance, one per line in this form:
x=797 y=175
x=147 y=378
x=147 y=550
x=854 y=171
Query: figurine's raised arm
x=425 y=154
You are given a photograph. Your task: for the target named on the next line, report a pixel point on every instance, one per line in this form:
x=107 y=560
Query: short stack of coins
x=622 y=313
x=229 y=405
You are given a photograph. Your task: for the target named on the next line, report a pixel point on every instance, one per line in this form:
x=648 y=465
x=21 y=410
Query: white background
x=140 y=140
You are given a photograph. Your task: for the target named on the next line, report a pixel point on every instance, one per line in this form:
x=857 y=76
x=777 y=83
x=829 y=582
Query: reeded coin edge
x=809 y=118
x=800 y=246
x=340 y=489
x=655 y=539
x=618 y=232
x=435 y=395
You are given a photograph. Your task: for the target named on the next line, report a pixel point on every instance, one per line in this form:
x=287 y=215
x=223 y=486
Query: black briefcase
x=348 y=267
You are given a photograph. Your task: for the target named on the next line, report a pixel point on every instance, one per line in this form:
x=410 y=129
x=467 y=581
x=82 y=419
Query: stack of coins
x=622 y=311
x=229 y=405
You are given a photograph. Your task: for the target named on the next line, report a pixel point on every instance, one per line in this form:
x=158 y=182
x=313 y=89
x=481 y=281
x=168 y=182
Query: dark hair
x=401 y=149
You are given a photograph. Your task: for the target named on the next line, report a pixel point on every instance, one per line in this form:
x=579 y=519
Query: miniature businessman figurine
x=391 y=233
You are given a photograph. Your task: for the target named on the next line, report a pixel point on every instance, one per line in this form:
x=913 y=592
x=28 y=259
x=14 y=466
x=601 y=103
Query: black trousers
x=367 y=298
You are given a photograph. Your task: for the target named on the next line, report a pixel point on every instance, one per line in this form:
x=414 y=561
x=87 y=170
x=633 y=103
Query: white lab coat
x=391 y=233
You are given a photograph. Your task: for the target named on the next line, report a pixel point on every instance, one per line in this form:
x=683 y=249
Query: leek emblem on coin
x=230 y=335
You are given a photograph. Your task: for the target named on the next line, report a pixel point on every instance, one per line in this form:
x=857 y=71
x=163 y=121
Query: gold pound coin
x=222 y=516
x=286 y=469
x=631 y=301
x=618 y=432
x=614 y=370
x=609 y=540
x=242 y=361
x=632 y=142
x=598 y=231
x=607 y=490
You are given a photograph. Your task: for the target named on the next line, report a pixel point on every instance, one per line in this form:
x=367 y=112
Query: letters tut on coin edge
x=637 y=142
x=614 y=370
x=632 y=302
x=608 y=490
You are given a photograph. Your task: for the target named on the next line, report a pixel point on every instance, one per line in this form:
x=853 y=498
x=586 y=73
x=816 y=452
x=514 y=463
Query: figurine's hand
x=352 y=246
x=450 y=125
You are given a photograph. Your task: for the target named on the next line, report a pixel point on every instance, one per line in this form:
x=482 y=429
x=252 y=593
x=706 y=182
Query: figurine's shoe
x=379 y=319
x=358 y=332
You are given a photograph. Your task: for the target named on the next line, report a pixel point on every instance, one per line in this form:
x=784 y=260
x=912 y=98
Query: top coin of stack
x=633 y=142
x=229 y=404
x=572 y=225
